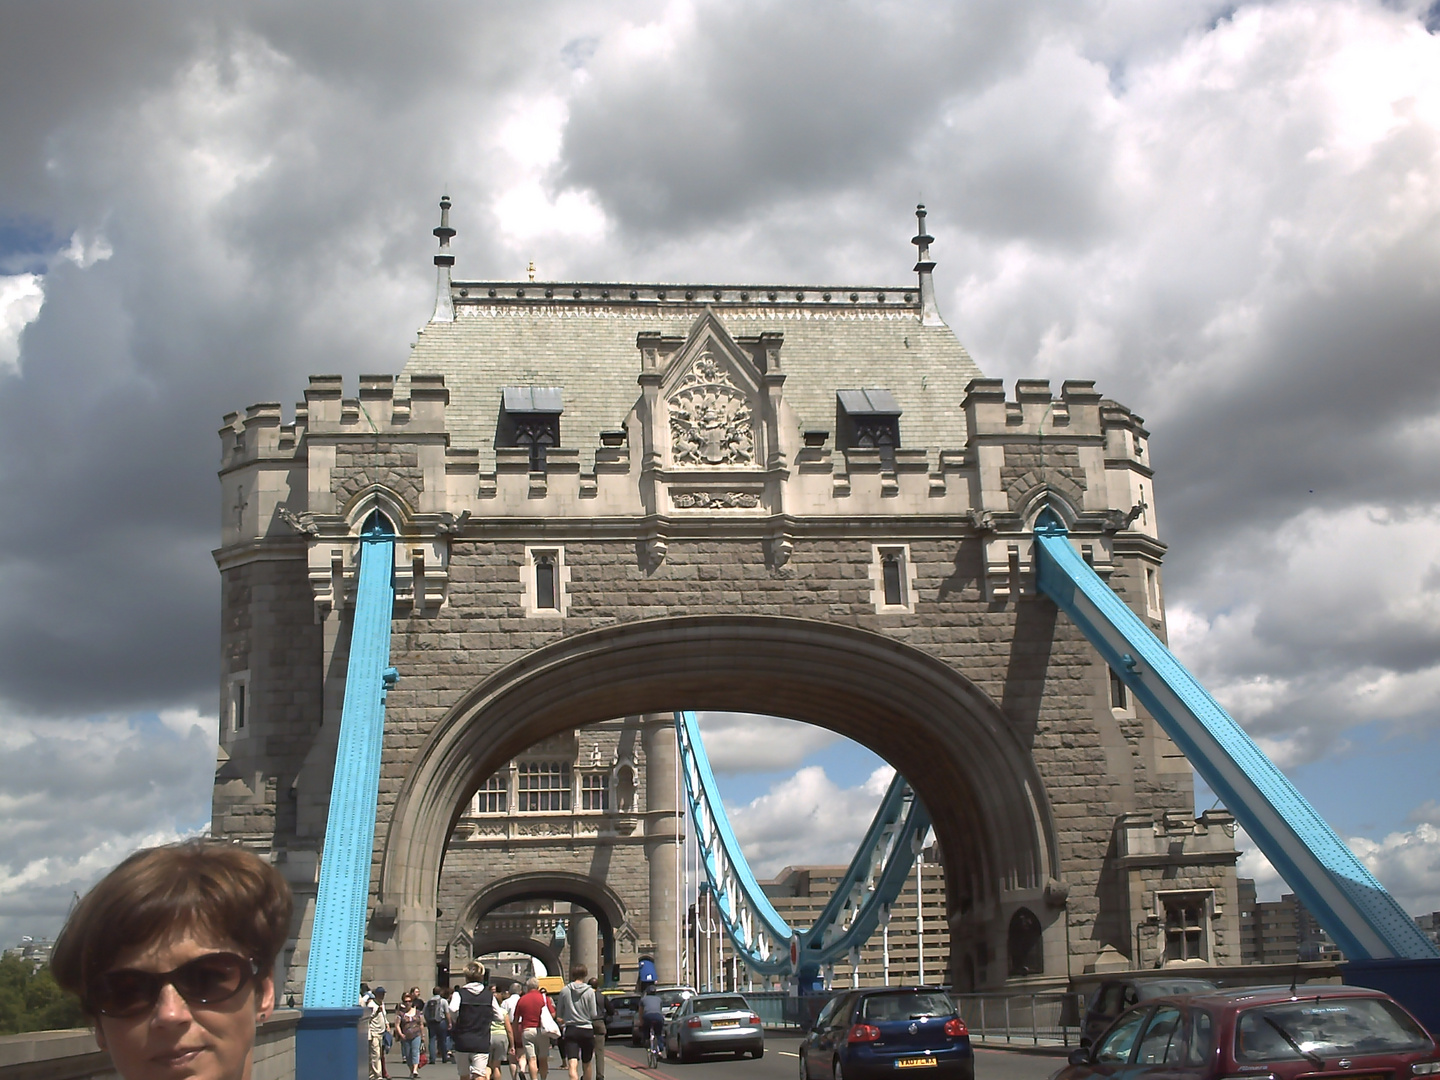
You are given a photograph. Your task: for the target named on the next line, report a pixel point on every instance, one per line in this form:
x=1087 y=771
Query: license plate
x=916 y=1063
x=736 y=1023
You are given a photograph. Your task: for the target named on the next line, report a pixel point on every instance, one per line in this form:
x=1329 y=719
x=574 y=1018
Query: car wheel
x=838 y=1074
x=758 y=1053
x=804 y=1069
x=670 y=1054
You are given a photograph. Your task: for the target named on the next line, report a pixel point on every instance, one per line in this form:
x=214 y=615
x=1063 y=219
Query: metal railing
x=781 y=1011
x=1043 y=1019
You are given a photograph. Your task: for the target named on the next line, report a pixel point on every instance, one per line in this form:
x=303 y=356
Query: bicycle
x=652 y=1051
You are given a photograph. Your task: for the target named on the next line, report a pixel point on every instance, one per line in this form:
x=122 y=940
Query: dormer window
x=530 y=417
x=868 y=420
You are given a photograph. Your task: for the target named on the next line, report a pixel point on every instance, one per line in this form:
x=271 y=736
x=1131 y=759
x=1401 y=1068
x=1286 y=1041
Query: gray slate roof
x=585 y=344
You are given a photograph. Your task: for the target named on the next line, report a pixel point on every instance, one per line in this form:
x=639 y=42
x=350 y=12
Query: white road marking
x=786 y=1053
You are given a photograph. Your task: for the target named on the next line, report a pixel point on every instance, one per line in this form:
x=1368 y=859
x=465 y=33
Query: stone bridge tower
x=617 y=499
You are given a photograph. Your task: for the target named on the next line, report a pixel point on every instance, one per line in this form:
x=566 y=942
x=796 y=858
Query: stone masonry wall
x=1035 y=665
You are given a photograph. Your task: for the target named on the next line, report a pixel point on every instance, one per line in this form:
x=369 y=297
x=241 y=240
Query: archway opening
x=994 y=838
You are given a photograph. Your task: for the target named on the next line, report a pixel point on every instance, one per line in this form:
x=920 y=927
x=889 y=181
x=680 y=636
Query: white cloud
x=85 y=252
x=1328 y=622
x=807 y=819
x=744 y=742
x=79 y=795
x=1406 y=862
x=21 y=297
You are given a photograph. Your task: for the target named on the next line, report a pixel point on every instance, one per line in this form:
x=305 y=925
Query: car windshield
x=907 y=1005
x=719 y=1004
x=627 y=1001
x=1328 y=1027
x=671 y=998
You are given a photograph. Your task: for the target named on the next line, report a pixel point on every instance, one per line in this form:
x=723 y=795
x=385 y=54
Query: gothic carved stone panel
x=711 y=422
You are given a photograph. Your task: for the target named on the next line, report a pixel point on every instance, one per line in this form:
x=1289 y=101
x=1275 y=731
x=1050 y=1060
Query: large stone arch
x=596 y=896
x=964 y=758
x=481 y=946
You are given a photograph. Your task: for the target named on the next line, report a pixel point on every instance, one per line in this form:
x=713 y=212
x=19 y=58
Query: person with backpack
x=472 y=1010
x=578 y=1009
x=438 y=1024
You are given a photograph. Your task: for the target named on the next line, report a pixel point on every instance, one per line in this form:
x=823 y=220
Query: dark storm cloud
x=1225 y=214
x=263 y=181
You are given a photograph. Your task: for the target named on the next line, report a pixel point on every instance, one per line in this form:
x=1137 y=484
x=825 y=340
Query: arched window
x=1027 y=944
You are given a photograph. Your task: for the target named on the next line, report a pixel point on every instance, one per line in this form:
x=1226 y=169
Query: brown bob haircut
x=199 y=886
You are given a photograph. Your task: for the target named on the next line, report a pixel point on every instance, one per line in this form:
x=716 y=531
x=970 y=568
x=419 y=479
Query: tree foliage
x=30 y=1000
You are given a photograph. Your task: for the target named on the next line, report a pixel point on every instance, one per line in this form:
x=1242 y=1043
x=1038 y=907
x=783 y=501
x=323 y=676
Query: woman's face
x=175 y=1040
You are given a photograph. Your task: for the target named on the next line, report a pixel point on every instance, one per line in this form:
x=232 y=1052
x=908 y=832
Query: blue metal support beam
x=1362 y=918
x=871 y=883
x=326 y=1044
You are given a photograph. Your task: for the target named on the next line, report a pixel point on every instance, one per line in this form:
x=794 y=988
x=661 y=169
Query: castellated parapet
x=304 y=481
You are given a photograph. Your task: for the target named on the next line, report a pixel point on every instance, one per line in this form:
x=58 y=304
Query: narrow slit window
x=545 y=592
x=240 y=706
x=1119 y=695
x=892 y=568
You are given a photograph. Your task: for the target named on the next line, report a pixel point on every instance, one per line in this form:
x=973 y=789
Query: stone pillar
x=584 y=940
x=664 y=833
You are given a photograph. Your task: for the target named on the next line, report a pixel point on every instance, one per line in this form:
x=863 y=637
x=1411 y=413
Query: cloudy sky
x=1227 y=214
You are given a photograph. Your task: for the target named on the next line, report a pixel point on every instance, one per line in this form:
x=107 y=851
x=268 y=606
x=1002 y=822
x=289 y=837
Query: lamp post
x=885 y=941
x=1148 y=921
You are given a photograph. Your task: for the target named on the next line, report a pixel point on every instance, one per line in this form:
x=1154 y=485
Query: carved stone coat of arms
x=710 y=418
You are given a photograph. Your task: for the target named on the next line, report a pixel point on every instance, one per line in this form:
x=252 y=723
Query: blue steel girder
x=877 y=874
x=332 y=978
x=871 y=883
x=1359 y=914
x=751 y=922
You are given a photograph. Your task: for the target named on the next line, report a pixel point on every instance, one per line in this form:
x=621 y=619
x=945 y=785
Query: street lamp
x=1150 y=921
x=885 y=941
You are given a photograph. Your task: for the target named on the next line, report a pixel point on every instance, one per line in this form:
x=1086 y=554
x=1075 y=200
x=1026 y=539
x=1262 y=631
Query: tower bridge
x=597 y=503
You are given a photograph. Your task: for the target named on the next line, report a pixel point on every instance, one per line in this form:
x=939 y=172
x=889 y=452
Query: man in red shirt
x=533 y=1037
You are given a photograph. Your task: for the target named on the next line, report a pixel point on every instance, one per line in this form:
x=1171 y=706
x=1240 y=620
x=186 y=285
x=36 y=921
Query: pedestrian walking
x=531 y=1008
x=437 y=1023
x=578 y=1009
x=602 y=1026
x=517 y=1050
x=472 y=1011
x=500 y=1033
x=409 y=1028
x=377 y=1030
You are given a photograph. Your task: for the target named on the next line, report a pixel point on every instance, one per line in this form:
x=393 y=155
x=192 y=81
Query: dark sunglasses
x=207 y=980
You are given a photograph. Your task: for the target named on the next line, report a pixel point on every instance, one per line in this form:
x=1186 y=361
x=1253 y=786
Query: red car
x=1264 y=1033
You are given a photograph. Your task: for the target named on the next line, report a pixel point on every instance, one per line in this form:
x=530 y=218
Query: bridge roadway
x=779 y=1063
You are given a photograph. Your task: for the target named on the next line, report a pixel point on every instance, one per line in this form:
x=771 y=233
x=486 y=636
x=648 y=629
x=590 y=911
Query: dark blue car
x=869 y=1034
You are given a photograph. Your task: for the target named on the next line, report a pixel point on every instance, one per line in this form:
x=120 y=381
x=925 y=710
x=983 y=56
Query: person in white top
x=517 y=1055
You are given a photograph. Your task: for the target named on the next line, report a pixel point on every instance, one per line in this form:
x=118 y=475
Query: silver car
x=714 y=1024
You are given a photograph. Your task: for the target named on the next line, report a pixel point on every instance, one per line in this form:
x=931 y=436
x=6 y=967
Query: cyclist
x=652 y=1015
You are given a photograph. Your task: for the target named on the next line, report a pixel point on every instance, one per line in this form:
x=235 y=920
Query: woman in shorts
x=172 y=956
